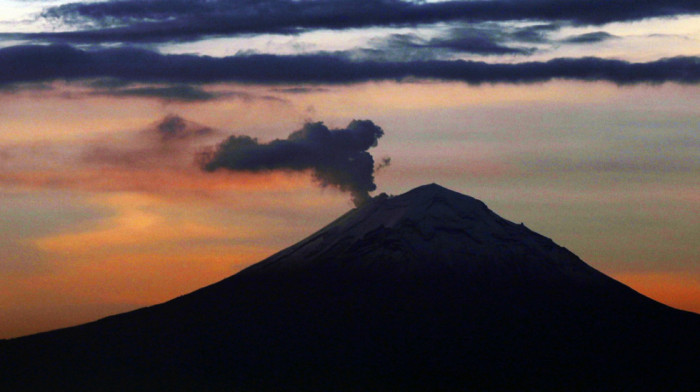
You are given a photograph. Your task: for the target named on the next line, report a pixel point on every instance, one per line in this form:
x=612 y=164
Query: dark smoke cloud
x=181 y=20
x=335 y=157
x=20 y=64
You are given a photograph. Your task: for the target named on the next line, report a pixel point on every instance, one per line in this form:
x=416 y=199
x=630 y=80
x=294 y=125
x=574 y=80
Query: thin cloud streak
x=175 y=93
x=20 y=64
x=184 y=20
x=590 y=38
x=475 y=40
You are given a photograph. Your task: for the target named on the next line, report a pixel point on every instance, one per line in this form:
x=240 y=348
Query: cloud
x=169 y=93
x=480 y=39
x=13 y=88
x=590 y=38
x=171 y=142
x=159 y=160
x=175 y=93
x=299 y=90
x=534 y=33
x=174 y=127
x=31 y=64
x=336 y=157
x=164 y=159
x=180 y=20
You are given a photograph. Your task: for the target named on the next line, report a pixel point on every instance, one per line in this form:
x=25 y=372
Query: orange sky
x=608 y=172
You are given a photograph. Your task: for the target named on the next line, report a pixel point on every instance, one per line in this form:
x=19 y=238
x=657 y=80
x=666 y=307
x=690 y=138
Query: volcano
x=425 y=291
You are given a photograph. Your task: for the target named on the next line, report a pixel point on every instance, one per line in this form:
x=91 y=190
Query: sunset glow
x=105 y=206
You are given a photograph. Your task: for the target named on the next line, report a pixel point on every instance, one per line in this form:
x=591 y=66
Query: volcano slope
x=426 y=291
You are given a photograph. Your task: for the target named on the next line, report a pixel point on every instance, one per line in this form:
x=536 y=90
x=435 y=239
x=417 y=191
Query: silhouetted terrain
x=426 y=291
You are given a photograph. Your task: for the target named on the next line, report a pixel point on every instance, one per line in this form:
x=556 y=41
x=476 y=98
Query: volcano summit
x=425 y=291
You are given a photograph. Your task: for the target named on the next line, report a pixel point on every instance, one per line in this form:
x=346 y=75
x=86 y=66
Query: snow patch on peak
x=428 y=223
x=429 y=204
x=428 y=209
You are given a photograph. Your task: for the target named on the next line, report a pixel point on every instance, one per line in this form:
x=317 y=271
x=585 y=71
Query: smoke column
x=336 y=157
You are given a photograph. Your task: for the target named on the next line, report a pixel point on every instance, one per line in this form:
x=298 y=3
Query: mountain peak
x=430 y=188
x=429 y=222
x=426 y=197
x=430 y=192
x=428 y=290
x=428 y=204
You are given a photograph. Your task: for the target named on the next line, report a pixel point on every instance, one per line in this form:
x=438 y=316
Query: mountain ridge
x=428 y=290
x=420 y=214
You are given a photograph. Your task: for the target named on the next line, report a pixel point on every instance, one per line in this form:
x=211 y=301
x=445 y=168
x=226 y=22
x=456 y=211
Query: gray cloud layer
x=179 y=93
x=336 y=157
x=179 y=20
x=22 y=64
x=487 y=39
x=590 y=38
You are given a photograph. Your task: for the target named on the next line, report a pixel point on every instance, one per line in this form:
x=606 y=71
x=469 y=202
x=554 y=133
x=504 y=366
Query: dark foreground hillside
x=426 y=291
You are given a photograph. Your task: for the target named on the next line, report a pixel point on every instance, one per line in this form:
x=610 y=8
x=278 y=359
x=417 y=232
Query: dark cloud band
x=21 y=64
x=177 y=20
x=176 y=93
x=590 y=38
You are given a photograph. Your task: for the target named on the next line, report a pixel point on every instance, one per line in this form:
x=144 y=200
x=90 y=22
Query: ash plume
x=174 y=127
x=335 y=157
x=167 y=143
x=383 y=163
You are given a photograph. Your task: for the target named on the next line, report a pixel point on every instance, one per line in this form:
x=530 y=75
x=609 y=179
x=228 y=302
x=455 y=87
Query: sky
x=152 y=147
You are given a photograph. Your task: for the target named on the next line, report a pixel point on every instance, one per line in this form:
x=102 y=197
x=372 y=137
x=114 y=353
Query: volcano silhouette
x=426 y=291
